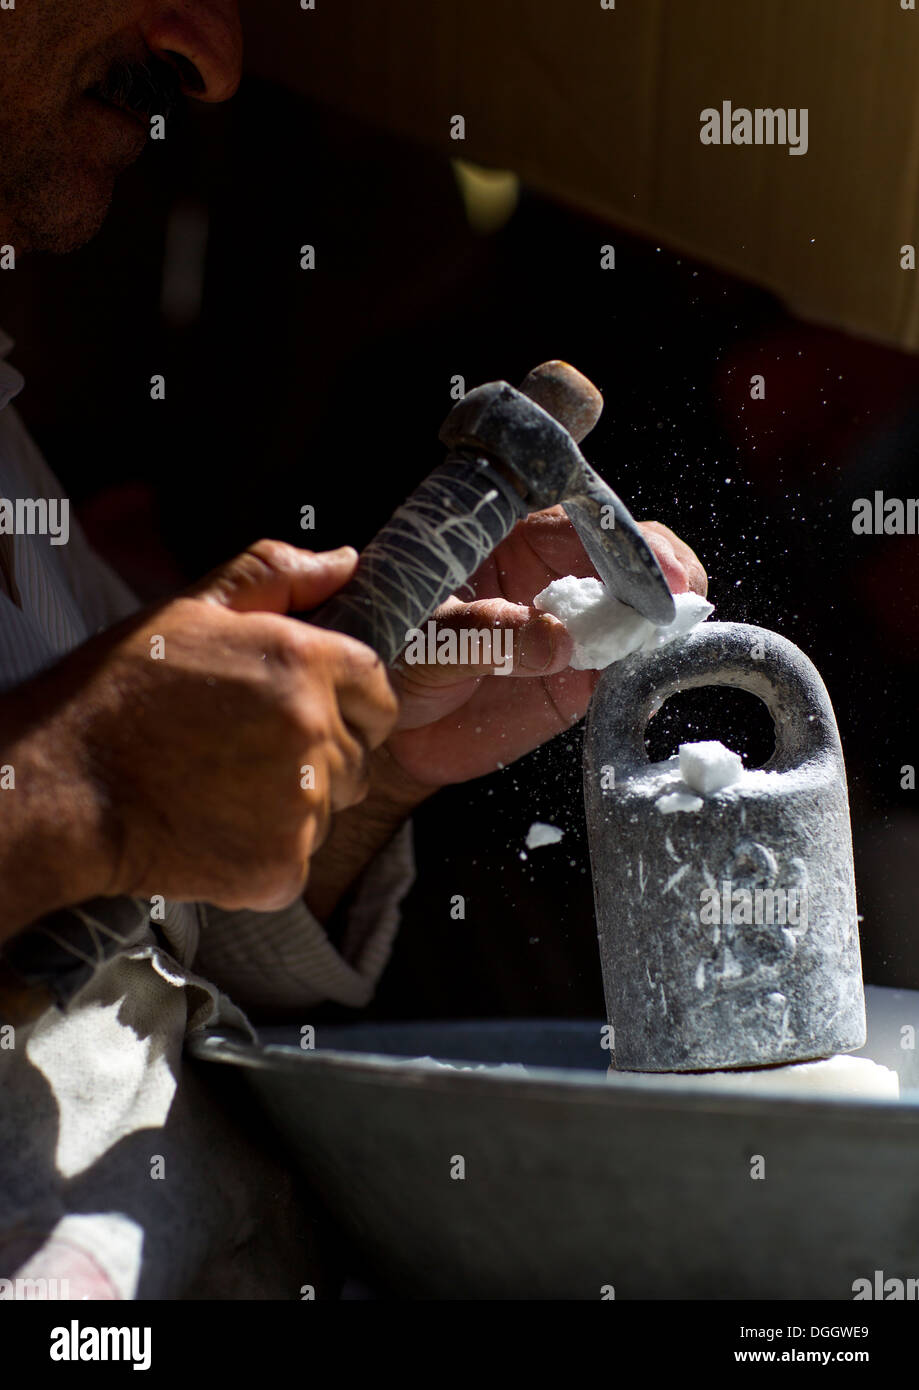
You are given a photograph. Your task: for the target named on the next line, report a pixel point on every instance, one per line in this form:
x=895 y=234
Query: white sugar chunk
x=540 y=834
x=604 y=630
x=691 y=610
x=678 y=801
x=707 y=766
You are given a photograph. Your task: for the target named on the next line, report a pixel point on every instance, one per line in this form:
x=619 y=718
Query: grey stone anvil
x=685 y=992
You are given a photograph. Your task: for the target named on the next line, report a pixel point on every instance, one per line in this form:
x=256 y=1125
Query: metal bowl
x=562 y=1182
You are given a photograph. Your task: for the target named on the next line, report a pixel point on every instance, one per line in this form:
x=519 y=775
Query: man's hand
x=458 y=722
x=197 y=750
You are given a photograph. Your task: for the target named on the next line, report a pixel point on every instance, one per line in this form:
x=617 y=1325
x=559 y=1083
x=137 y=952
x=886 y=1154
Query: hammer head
x=531 y=444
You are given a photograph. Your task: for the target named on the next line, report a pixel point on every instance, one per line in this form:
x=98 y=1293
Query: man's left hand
x=462 y=721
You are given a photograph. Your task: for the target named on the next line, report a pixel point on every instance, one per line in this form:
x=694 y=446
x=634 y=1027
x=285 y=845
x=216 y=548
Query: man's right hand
x=174 y=753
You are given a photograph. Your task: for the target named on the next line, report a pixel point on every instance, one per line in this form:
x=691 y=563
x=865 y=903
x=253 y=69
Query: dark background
x=285 y=388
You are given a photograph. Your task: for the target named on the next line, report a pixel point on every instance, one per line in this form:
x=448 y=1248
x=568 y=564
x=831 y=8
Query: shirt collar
x=11 y=381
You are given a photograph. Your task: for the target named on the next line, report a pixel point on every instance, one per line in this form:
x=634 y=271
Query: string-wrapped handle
x=426 y=551
x=465 y=508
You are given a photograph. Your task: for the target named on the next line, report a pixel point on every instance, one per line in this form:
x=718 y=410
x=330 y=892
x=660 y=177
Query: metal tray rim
x=647 y=1090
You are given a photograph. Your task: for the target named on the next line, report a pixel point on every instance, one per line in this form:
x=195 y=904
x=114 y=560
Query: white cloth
x=92 y=1096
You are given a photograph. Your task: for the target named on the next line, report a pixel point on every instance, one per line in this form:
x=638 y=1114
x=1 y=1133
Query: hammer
x=512 y=452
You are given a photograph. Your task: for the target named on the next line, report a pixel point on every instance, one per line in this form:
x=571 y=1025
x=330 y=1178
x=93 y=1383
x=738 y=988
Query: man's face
x=79 y=80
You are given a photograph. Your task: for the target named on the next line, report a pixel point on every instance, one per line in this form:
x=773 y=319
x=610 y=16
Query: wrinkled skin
x=62 y=149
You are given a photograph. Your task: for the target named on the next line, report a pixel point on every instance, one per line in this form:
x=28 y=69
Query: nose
x=203 y=40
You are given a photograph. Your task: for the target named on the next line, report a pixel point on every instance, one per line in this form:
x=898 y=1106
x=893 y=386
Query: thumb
x=273 y=577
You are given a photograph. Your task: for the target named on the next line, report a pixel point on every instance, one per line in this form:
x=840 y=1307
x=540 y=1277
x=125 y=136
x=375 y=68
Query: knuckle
x=371 y=675
x=303 y=732
x=289 y=643
x=271 y=554
x=356 y=658
x=344 y=756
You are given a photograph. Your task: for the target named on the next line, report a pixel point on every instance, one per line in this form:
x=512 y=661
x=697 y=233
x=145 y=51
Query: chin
x=69 y=218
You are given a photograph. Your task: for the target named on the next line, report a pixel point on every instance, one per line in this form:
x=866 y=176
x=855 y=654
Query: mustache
x=151 y=88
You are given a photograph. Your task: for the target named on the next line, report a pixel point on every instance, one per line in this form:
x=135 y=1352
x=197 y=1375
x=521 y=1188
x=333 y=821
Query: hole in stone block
x=738 y=719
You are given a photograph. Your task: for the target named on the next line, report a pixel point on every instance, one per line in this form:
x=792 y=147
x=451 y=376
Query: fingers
x=550 y=535
x=682 y=568
x=484 y=638
x=366 y=699
x=347 y=770
x=545 y=545
x=364 y=695
x=273 y=577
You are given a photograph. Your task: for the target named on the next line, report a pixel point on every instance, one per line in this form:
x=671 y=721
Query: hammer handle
x=447 y=527
x=426 y=551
